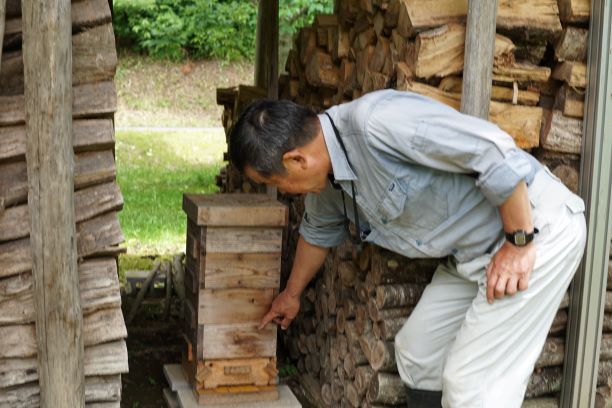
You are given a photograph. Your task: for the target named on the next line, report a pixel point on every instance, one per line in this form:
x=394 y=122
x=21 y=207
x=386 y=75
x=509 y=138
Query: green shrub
x=223 y=29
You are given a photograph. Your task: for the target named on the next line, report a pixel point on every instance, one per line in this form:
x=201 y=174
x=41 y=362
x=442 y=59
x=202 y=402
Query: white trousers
x=481 y=355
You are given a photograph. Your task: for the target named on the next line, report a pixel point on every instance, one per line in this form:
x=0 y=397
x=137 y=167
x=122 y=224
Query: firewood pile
x=342 y=340
x=97 y=200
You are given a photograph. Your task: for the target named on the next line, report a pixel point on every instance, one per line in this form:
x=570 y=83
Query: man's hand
x=510 y=270
x=283 y=310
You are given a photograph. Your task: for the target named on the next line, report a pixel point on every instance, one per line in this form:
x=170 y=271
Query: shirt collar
x=340 y=165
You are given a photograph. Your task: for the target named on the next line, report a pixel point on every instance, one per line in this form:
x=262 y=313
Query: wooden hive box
x=233 y=260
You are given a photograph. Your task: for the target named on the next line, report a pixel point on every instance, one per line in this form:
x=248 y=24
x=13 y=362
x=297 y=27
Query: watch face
x=520 y=239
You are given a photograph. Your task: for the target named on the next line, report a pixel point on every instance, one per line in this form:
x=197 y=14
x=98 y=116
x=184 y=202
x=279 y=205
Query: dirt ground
x=173 y=94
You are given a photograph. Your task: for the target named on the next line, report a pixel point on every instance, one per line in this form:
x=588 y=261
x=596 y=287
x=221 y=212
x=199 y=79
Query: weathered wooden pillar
x=47 y=55
x=2 y=14
x=266 y=55
x=478 y=62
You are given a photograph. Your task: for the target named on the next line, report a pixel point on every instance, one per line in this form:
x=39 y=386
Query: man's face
x=297 y=180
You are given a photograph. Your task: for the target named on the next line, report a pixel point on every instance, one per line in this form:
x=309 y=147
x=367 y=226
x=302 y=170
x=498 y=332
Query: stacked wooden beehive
x=350 y=314
x=97 y=200
x=232 y=265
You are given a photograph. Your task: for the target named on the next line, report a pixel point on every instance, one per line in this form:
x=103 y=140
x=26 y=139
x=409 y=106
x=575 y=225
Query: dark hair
x=268 y=129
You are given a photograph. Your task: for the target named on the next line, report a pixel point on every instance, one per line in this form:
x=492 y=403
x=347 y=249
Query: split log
x=88 y=203
x=383 y=357
x=521 y=73
x=572 y=45
x=529 y=20
x=571 y=72
x=570 y=101
x=390 y=268
x=367 y=343
x=574 y=11
x=386 y=389
x=352 y=395
x=561 y=133
x=390 y=296
x=321 y=71
x=88 y=100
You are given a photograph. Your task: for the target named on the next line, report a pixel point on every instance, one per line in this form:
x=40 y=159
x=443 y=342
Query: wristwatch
x=521 y=238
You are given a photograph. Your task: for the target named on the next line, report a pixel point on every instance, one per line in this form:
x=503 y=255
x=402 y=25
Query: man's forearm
x=515 y=212
x=308 y=260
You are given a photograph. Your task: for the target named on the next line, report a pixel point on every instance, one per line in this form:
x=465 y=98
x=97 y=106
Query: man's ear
x=295 y=158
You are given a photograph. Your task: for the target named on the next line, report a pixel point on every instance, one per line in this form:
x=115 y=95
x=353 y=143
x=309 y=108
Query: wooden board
x=228 y=306
x=256 y=270
x=236 y=395
x=94 y=134
x=240 y=340
x=85 y=13
x=572 y=73
x=15 y=257
x=89 y=100
x=256 y=371
x=94 y=59
x=235 y=210
x=243 y=240
x=99 y=236
x=88 y=203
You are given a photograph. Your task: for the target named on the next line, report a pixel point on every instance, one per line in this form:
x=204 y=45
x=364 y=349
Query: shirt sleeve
x=410 y=127
x=323 y=221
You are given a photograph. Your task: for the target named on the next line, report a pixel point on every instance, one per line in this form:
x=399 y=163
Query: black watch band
x=521 y=238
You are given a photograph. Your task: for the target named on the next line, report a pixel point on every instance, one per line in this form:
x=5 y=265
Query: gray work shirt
x=428 y=179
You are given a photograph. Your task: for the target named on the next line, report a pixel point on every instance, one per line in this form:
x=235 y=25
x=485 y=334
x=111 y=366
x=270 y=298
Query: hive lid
x=235 y=210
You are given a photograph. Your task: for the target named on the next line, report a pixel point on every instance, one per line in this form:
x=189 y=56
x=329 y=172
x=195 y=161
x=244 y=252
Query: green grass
x=154 y=169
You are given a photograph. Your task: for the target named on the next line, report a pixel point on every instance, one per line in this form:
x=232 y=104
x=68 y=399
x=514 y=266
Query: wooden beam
x=47 y=54
x=478 y=64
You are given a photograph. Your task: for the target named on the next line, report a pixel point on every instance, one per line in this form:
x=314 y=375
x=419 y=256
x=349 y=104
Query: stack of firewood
x=97 y=200
x=342 y=339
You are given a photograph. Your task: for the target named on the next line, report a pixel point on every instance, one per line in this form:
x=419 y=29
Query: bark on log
x=552 y=354
x=390 y=296
x=572 y=45
x=574 y=11
x=544 y=381
x=571 y=72
x=383 y=357
x=386 y=389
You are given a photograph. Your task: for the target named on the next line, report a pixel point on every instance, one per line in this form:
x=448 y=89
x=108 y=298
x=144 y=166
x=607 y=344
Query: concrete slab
x=286 y=399
x=175 y=377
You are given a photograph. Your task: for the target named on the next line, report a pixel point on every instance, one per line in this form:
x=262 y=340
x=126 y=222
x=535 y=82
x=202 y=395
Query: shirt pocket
x=418 y=207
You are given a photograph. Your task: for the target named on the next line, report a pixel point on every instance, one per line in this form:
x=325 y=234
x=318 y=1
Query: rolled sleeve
x=323 y=222
x=499 y=181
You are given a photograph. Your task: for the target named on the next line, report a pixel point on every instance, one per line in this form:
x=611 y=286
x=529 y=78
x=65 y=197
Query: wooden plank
x=573 y=73
x=94 y=59
x=90 y=168
x=243 y=240
x=235 y=395
x=258 y=270
x=227 y=306
x=89 y=100
x=479 y=52
x=15 y=257
x=103 y=388
x=106 y=359
x=240 y=340
x=217 y=373
x=85 y=13
x=18 y=341
x=89 y=203
x=234 y=210
x=99 y=236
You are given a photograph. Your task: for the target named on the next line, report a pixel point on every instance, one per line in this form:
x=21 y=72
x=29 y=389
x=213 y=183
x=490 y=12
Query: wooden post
x=47 y=55
x=2 y=14
x=478 y=62
x=266 y=57
x=266 y=54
